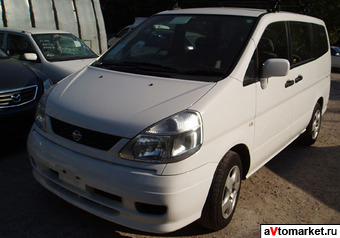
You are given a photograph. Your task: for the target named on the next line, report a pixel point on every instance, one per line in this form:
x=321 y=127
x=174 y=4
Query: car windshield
x=3 y=55
x=61 y=47
x=194 y=47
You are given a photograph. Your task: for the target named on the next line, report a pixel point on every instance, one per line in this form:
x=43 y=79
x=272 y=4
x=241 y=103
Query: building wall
x=83 y=18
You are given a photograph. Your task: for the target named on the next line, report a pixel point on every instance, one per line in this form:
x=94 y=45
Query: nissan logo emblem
x=77 y=136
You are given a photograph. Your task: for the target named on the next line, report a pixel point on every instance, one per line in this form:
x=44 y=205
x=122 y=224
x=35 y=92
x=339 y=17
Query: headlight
x=40 y=117
x=170 y=140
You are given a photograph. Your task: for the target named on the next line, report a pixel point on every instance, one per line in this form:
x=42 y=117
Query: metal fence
x=83 y=18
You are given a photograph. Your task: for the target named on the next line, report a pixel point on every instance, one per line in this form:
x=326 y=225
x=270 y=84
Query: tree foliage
x=328 y=10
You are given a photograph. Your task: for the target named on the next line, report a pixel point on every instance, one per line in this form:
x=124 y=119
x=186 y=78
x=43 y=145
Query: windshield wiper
x=147 y=66
x=157 y=69
x=203 y=72
x=134 y=66
x=102 y=64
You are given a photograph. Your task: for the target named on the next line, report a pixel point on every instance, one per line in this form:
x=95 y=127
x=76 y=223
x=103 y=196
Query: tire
x=312 y=132
x=224 y=192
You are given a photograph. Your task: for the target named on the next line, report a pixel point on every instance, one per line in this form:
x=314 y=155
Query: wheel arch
x=243 y=151
x=321 y=102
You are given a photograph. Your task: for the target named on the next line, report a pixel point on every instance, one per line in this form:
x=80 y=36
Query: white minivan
x=160 y=130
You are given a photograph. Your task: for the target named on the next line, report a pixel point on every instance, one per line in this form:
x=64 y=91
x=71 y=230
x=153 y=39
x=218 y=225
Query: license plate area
x=70 y=177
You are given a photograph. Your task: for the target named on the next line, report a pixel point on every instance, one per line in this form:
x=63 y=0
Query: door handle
x=298 y=79
x=289 y=83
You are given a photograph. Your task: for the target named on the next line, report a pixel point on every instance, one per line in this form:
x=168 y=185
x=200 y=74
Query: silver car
x=335 y=52
x=55 y=53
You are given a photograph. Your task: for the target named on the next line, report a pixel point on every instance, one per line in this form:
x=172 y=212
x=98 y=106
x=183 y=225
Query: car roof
x=247 y=12
x=34 y=31
x=219 y=11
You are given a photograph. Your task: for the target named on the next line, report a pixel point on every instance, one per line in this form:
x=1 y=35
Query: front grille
x=84 y=136
x=18 y=97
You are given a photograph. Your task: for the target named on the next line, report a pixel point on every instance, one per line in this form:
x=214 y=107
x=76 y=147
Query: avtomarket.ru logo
x=300 y=230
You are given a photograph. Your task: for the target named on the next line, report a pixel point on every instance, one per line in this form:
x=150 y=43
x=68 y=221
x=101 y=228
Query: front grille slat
x=90 y=138
x=18 y=97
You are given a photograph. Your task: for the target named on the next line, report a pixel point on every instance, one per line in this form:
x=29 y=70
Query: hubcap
x=230 y=192
x=316 y=124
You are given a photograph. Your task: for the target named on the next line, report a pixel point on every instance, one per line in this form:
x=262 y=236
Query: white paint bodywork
x=147 y=100
x=264 y=121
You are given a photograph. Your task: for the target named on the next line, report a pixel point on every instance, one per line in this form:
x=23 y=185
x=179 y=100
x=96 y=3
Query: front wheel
x=313 y=129
x=223 y=195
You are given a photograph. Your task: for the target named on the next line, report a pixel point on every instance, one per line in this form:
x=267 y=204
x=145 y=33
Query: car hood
x=15 y=74
x=74 y=65
x=120 y=104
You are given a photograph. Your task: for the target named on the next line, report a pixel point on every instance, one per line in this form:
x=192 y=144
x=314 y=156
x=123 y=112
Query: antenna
x=173 y=5
x=275 y=6
x=305 y=8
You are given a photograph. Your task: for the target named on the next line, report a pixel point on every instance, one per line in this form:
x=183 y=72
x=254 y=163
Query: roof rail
x=269 y=5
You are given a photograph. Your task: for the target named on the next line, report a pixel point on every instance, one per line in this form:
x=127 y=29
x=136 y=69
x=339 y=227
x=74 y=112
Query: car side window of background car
x=2 y=40
x=273 y=44
x=334 y=53
x=17 y=46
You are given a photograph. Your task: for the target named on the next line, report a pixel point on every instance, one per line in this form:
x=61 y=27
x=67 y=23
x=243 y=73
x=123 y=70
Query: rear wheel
x=223 y=195
x=311 y=134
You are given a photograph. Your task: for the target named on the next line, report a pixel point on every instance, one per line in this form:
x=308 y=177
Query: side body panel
x=283 y=113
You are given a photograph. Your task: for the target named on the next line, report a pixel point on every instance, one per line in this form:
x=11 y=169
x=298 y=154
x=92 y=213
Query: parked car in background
x=335 y=52
x=55 y=53
x=21 y=87
x=125 y=30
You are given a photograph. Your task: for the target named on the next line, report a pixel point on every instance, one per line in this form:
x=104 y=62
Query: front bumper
x=125 y=195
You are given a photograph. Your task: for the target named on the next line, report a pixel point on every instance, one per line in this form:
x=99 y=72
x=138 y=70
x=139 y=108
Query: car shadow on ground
x=313 y=169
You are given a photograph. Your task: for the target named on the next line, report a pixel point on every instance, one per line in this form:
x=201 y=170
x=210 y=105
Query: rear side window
x=320 y=40
x=301 y=42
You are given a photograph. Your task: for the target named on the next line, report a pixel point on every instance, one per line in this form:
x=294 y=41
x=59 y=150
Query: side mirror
x=273 y=68
x=31 y=56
